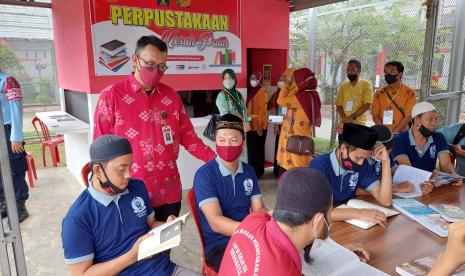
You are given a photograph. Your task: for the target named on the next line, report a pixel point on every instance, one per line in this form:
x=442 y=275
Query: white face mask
x=281 y=84
x=228 y=84
x=254 y=83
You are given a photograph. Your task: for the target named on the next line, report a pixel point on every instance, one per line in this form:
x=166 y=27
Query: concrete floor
x=55 y=191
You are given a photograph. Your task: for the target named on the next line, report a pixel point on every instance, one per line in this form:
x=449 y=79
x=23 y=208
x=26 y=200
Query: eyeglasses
x=160 y=66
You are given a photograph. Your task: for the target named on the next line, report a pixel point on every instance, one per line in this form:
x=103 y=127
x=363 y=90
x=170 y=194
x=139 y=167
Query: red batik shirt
x=125 y=109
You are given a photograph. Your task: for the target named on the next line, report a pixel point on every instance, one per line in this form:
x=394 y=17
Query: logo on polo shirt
x=139 y=207
x=248 y=186
x=353 y=181
x=432 y=151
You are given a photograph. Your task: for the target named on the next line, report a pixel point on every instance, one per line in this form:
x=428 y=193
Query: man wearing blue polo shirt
x=347 y=169
x=226 y=190
x=421 y=146
x=104 y=227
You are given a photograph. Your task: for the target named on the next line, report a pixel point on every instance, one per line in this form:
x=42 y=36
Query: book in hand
x=412 y=175
x=449 y=212
x=163 y=237
x=360 y=204
x=446 y=178
x=421 y=267
x=331 y=259
x=422 y=214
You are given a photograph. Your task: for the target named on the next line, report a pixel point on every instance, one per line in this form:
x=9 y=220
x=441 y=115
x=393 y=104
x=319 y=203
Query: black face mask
x=352 y=77
x=349 y=164
x=426 y=132
x=108 y=186
x=390 y=79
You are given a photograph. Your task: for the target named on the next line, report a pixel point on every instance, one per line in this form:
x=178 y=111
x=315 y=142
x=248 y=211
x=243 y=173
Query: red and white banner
x=203 y=36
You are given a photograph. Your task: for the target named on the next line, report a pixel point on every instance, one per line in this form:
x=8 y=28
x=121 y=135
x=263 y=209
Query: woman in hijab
x=297 y=96
x=257 y=100
x=230 y=100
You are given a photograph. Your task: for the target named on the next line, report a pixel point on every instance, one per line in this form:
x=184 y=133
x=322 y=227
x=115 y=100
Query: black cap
x=107 y=147
x=384 y=135
x=230 y=121
x=359 y=136
x=303 y=190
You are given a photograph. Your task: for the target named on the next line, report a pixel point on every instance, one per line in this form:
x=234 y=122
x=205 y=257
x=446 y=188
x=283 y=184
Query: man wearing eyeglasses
x=151 y=116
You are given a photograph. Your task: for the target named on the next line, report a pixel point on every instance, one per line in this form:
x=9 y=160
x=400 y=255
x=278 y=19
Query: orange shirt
x=405 y=98
x=257 y=109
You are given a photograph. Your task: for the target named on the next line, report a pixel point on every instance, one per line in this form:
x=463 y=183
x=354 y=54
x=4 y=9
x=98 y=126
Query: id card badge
x=167 y=135
x=388 y=117
x=349 y=106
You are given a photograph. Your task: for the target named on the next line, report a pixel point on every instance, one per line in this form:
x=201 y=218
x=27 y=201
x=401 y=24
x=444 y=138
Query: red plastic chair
x=85 y=172
x=47 y=141
x=206 y=269
x=31 y=169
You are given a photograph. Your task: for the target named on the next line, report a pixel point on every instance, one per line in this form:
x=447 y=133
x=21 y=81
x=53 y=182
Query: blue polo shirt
x=344 y=182
x=404 y=145
x=233 y=191
x=101 y=227
x=377 y=166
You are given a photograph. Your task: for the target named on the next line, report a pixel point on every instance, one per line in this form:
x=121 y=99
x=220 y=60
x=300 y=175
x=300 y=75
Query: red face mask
x=150 y=76
x=229 y=153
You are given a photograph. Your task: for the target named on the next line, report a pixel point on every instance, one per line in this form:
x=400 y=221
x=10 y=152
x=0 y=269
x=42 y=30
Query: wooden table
x=403 y=239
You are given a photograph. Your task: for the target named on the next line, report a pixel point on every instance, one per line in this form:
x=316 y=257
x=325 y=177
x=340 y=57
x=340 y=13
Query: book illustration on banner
x=360 y=204
x=422 y=214
x=331 y=259
x=227 y=58
x=422 y=266
x=113 y=55
x=413 y=175
x=449 y=212
x=164 y=237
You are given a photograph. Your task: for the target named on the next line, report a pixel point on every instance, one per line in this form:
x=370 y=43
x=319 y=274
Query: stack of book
x=113 y=55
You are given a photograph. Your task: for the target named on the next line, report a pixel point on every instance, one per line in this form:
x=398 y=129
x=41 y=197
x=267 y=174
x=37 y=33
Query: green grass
x=321 y=144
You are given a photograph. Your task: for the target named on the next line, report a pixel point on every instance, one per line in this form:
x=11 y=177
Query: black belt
x=8 y=126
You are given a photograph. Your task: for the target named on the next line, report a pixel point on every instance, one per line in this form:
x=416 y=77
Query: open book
x=360 y=204
x=332 y=259
x=422 y=214
x=412 y=175
x=164 y=237
x=421 y=267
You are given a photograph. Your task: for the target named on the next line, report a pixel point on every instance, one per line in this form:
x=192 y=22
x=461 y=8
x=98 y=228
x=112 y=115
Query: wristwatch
x=353 y=116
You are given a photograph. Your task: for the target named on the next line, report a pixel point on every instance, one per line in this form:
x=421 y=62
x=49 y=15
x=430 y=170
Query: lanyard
x=393 y=98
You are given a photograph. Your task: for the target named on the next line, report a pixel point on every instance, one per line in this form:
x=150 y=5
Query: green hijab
x=233 y=95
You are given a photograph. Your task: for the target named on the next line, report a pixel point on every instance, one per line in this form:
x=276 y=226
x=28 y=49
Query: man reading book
x=226 y=189
x=347 y=169
x=104 y=227
x=272 y=245
x=421 y=146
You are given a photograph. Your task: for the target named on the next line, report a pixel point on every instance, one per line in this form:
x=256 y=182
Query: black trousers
x=18 y=166
x=276 y=166
x=215 y=256
x=164 y=211
x=256 y=151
